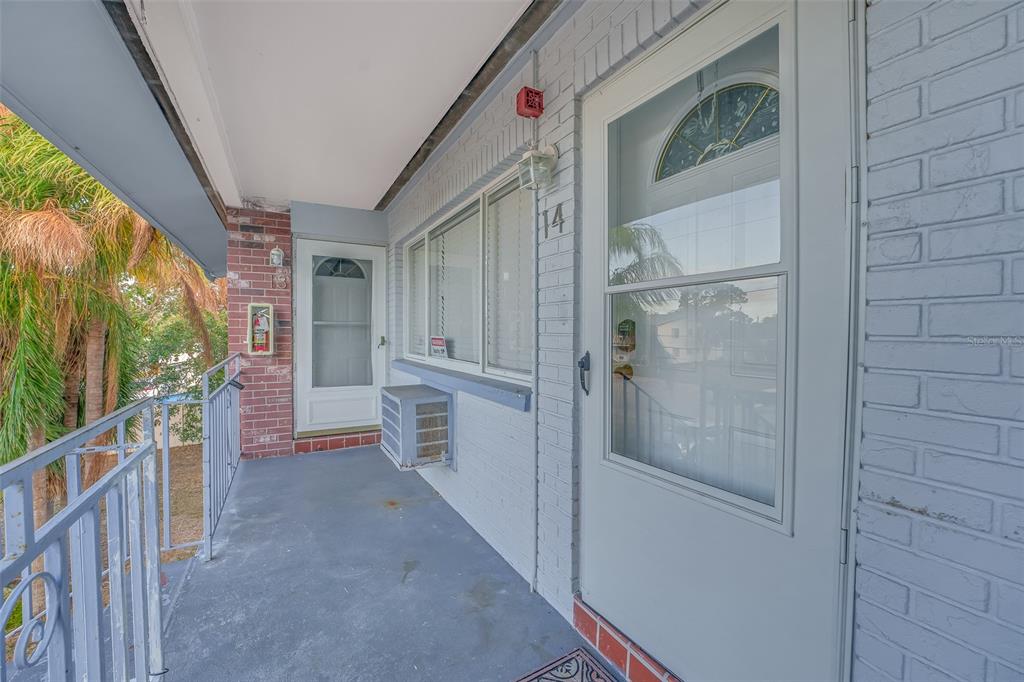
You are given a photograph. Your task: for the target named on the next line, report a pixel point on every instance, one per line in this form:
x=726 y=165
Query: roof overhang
x=66 y=69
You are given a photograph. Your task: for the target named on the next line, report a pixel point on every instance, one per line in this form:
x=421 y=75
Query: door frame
x=378 y=328
x=853 y=293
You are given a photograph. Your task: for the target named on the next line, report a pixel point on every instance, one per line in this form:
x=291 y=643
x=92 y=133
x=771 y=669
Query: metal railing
x=221 y=448
x=67 y=628
x=649 y=431
x=221 y=441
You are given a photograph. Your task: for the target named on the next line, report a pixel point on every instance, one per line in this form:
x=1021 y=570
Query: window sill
x=503 y=392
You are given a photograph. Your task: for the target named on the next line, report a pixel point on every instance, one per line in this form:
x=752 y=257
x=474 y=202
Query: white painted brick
x=893 y=320
x=927 y=500
x=877 y=521
x=878 y=654
x=962 y=203
x=938 y=57
x=999 y=318
x=936 y=357
x=935 y=133
x=973 y=279
x=951 y=16
x=977 y=81
x=894 y=109
x=885 y=14
x=1004 y=236
x=891 y=389
x=977 y=160
x=892 y=180
x=976 y=398
x=1016 y=443
x=879 y=453
x=957 y=658
x=919 y=671
x=1013 y=525
x=979 y=474
x=900 y=40
x=1018 y=275
x=882 y=591
x=975 y=551
x=934 y=430
x=1003 y=673
x=972 y=628
x=905 y=248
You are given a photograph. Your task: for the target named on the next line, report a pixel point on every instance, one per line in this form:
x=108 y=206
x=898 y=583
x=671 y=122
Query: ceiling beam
x=120 y=15
x=520 y=33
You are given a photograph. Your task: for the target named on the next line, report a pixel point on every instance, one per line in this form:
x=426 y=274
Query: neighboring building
x=787 y=237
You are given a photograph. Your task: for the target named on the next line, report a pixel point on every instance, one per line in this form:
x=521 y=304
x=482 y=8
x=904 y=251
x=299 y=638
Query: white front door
x=339 y=336
x=716 y=264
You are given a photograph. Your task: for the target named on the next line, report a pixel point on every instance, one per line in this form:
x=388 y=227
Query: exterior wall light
x=536 y=168
x=276 y=257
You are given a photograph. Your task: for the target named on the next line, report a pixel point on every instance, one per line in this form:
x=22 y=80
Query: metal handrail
x=67 y=628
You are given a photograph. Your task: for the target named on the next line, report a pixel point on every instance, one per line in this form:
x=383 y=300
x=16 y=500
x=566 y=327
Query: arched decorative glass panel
x=724 y=121
x=340 y=267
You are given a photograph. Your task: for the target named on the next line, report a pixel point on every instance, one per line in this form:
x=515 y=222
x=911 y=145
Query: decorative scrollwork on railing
x=35 y=627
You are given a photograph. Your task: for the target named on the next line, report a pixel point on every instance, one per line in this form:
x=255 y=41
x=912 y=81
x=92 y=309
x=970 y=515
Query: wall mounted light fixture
x=276 y=257
x=536 y=168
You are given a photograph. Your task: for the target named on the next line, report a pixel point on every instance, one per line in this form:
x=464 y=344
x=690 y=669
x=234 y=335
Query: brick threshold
x=618 y=650
x=302 y=446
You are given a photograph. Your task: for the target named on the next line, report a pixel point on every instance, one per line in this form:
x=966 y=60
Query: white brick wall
x=597 y=38
x=940 y=550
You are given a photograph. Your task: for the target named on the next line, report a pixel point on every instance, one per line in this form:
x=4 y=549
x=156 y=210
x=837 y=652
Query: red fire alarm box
x=530 y=102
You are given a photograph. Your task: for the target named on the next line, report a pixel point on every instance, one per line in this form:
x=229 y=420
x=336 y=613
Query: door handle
x=584 y=366
x=382 y=342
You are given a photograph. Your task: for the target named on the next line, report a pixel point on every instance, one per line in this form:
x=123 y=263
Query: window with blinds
x=508 y=229
x=470 y=283
x=455 y=285
x=417 y=337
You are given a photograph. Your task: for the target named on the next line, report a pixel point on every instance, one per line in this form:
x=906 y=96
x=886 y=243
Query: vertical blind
x=417 y=299
x=508 y=231
x=455 y=286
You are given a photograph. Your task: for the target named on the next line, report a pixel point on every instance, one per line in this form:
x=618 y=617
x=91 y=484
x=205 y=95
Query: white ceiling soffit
x=67 y=72
x=321 y=101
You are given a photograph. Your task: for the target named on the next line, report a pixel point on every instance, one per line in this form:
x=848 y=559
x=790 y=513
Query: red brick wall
x=267 y=409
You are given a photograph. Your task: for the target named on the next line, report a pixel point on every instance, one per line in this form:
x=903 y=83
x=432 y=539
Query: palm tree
x=638 y=253
x=68 y=247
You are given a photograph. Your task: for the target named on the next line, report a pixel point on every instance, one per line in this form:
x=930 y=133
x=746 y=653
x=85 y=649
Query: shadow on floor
x=336 y=566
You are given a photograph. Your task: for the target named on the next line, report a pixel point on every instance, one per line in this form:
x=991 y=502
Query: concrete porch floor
x=336 y=566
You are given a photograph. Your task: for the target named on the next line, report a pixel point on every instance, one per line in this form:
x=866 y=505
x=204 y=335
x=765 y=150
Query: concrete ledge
x=502 y=392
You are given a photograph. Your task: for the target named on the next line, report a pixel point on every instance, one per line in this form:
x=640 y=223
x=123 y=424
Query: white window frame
x=481 y=367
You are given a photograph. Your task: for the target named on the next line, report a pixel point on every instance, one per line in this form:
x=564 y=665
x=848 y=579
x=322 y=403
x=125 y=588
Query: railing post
x=86 y=580
x=165 y=458
x=152 y=560
x=115 y=575
x=207 y=497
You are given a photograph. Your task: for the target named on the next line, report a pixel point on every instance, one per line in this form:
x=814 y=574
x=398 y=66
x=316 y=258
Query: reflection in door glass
x=695 y=382
x=693 y=173
x=342 y=346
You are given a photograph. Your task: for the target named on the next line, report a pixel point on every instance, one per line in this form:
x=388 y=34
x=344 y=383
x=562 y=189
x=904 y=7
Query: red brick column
x=266 y=410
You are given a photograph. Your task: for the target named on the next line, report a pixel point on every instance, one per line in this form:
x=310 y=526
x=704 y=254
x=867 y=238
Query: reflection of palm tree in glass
x=638 y=253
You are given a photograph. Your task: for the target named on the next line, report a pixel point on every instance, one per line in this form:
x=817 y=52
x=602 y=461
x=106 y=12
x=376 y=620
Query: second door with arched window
x=339 y=330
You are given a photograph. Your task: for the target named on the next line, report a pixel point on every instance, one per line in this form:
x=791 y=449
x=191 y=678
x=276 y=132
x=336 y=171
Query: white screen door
x=715 y=305
x=339 y=349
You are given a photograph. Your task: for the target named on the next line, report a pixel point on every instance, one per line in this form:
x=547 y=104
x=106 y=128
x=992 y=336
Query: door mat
x=575 y=666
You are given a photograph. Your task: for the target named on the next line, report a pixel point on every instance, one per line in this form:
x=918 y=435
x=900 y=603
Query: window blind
x=509 y=229
x=455 y=286
x=417 y=299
